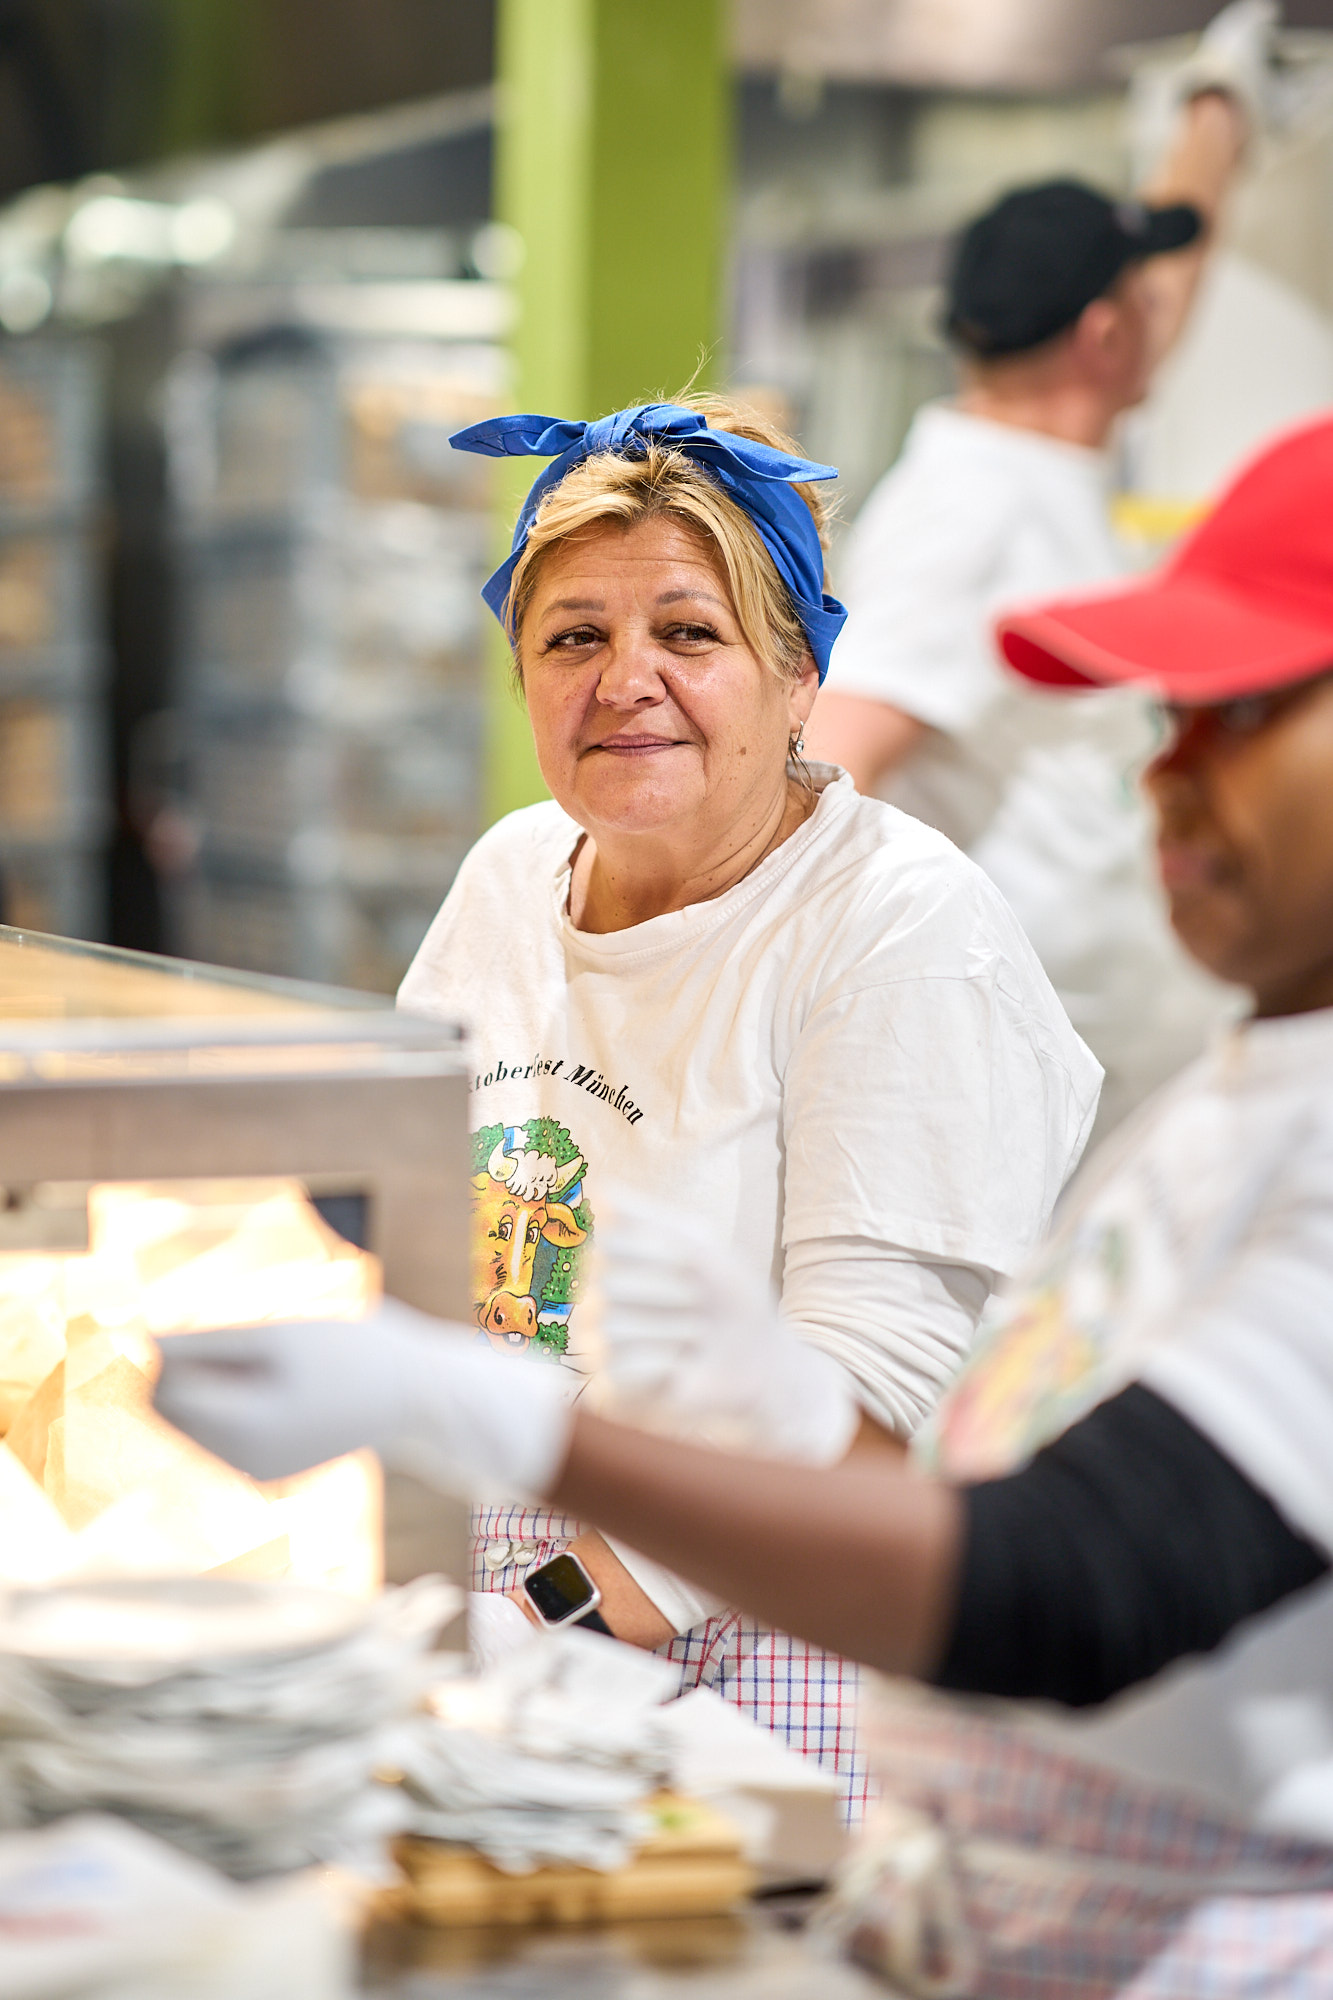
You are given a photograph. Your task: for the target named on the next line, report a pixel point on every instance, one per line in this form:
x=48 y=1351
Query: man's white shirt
x=1039 y=788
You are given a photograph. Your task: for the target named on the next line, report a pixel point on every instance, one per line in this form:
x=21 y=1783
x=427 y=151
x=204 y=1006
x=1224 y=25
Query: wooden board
x=691 y=1866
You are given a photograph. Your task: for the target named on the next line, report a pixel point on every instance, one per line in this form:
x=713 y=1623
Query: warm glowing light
x=92 y=1482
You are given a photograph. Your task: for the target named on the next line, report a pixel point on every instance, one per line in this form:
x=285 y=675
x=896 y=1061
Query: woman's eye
x=693 y=635
x=569 y=641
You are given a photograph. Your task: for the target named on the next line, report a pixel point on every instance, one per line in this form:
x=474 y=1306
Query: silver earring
x=798 y=743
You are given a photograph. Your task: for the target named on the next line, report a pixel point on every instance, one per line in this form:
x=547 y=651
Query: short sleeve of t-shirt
x=993 y=1131
x=1251 y=1361
x=937 y=1109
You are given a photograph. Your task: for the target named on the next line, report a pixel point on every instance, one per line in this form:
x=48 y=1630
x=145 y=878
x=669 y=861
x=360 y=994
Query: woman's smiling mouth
x=637 y=746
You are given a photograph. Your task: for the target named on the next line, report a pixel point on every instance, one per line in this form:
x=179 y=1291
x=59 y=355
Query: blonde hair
x=665 y=483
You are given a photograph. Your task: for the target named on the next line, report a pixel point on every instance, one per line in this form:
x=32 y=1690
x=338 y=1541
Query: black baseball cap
x=1024 y=270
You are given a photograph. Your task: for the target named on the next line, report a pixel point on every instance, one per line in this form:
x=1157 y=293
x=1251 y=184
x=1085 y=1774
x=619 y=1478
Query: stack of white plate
x=242 y=1721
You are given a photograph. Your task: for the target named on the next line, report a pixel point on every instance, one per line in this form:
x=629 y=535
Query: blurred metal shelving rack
x=329 y=549
x=54 y=767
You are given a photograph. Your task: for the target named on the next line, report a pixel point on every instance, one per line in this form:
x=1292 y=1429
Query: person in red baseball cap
x=1119 y=1522
x=1244 y=607
x=1235 y=635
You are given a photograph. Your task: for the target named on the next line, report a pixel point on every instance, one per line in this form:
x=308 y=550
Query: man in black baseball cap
x=1025 y=270
x=1061 y=301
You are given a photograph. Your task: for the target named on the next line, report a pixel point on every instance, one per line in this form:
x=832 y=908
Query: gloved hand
x=691 y=1344
x=1235 y=53
x=274 y=1400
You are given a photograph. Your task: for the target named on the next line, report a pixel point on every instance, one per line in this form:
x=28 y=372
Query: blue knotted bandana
x=757 y=477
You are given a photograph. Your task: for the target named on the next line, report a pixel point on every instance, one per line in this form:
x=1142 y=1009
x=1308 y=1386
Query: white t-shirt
x=1195 y=1256
x=850 y=1065
x=1039 y=788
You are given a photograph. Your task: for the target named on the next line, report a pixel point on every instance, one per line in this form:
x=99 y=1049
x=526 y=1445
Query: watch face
x=559 y=1589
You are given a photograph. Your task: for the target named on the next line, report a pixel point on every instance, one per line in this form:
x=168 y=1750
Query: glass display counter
x=183 y=1147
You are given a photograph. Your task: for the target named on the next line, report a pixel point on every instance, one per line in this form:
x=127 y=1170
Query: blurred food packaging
x=569 y=1758
x=92 y=1906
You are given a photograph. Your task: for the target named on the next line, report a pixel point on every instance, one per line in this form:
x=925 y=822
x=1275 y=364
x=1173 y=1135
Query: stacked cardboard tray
x=329 y=551
x=53 y=749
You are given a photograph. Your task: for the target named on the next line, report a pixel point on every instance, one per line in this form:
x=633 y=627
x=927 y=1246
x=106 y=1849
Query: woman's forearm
x=861 y=1558
x=626 y=1606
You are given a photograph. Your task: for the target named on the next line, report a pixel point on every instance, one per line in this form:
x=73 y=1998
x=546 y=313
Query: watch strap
x=593 y=1621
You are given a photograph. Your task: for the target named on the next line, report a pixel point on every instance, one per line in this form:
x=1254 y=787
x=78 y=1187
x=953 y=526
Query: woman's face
x=1244 y=798
x=650 y=712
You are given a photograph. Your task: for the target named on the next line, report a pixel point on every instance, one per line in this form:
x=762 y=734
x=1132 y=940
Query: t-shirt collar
x=669 y=932
x=1253 y=1050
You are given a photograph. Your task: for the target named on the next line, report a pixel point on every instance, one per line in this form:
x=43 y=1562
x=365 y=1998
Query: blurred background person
x=1061 y=305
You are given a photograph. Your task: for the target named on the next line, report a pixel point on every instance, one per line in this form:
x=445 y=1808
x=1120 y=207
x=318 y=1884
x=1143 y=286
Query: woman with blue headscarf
x=710 y=972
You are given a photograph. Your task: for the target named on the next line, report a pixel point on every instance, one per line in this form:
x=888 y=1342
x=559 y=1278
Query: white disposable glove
x=424 y=1395
x=692 y=1344
x=1235 y=53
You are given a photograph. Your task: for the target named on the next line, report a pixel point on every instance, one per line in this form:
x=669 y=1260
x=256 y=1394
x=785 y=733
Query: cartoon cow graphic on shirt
x=530 y=1224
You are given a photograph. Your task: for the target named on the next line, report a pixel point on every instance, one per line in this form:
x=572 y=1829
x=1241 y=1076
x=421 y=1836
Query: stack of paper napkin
x=243 y=1721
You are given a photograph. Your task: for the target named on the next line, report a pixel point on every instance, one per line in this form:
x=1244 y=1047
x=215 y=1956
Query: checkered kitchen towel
x=1245 y=1948
x=998 y=1868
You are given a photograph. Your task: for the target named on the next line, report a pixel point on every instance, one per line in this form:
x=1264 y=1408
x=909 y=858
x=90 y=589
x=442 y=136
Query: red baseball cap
x=1244 y=604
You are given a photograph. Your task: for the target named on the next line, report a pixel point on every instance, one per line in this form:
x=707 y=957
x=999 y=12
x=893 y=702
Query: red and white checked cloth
x=1001 y=1868
x=805 y=1696
x=1245 y=1948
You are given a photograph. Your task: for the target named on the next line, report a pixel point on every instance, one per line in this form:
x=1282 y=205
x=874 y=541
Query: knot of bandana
x=756 y=476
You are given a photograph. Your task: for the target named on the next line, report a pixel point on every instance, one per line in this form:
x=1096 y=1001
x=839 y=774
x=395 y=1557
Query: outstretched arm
x=869 y=738
x=862 y=1558
x=1127 y=1544
x=1199 y=169
x=627 y=1608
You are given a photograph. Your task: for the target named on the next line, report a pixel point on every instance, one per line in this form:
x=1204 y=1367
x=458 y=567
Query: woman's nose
x=629 y=675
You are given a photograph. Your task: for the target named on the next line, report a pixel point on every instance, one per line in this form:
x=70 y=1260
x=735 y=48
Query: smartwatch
x=561 y=1592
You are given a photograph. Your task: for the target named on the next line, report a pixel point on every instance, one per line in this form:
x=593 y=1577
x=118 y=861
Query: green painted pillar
x=613 y=165
x=214 y=55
